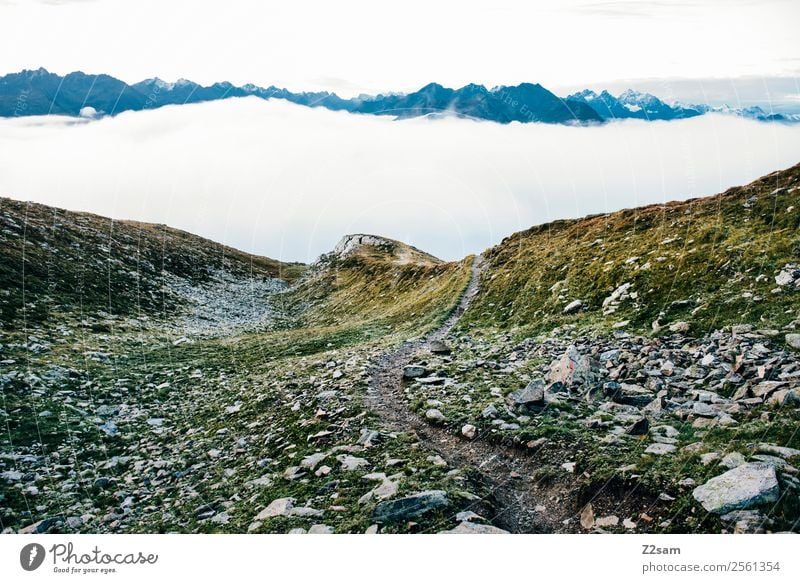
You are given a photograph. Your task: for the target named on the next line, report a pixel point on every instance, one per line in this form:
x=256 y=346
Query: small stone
x=793 y=340
x=413 y=371
x=640 y=427
x=606 y=521
x=468 y=431
x=680 y=327
x=435 y=416
x=573 y=306
x=351 y=463
x=629 y=524
x=474 y=528
x=439 y=347
x=278 y=507
x=660 y=448
x=587 y=517
x=732 y=460
x=312 y=461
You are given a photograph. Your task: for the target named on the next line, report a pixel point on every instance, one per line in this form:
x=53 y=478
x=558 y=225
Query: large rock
x=619 y=295
x=531 y=396
x=349 y=244
x=742 y=487
x=410 y=507
x=279 y=507
x=413 y=371
x=571 y=368
x=793 y=340
x=474 y=528
x=439 y=347
x=435 y=416
x=468 y=431
x=789 y=275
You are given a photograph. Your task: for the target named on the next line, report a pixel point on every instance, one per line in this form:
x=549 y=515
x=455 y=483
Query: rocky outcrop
x=349 y=244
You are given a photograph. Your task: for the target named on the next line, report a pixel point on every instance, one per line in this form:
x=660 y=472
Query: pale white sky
x=353 y=46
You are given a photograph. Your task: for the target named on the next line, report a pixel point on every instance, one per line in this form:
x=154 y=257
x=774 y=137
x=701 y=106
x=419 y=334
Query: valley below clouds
x=287 y=181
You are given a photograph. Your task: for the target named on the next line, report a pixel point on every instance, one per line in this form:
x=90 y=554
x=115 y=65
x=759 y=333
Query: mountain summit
x=39 y=92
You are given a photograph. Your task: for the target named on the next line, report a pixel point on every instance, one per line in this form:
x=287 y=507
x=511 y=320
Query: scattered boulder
x=789 y=275
x=639 y=427
x=410 y=507
x=680 y=327
x=413 y=371
x=660 y=448
x=617 y=297
x=587 y=517
x=435 y=416
x=467 y=527
x=439 y=347
x=278 y=507
x=571 y=368
x=743 y=487
x=532 y=395
x=350 y=463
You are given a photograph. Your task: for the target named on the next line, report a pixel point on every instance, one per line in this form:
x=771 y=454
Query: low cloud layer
x=288 y=181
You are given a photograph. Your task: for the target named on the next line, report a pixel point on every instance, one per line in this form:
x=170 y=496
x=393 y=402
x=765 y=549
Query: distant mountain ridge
x=40 y=92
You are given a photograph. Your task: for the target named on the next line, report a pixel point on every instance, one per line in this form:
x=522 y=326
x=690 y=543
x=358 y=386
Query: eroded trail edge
x=506 y=470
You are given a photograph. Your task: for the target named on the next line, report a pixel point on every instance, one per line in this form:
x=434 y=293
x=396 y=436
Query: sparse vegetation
x=139 y=396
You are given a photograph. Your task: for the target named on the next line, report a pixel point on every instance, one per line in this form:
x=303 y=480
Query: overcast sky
x=363 y=46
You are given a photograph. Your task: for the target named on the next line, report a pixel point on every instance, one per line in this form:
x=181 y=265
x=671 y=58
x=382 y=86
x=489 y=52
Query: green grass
x=719 y=254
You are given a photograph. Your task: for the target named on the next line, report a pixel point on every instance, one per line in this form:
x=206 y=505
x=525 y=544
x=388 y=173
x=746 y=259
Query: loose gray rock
x=531 y=395
x=410 y=506
x=279 y=507
x=439 y=347
x=474 y=528
x=741 y=488
x=413 y=371
x=434 y=416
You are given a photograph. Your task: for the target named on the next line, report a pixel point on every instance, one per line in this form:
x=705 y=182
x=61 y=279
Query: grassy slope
x=85 y=262
x=344 y=313
x=400 y=290
x=721 y=253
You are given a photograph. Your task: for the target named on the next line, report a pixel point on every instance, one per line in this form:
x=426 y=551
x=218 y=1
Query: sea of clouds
x=288 y=181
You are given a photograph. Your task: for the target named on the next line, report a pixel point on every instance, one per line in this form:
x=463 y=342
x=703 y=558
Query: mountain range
x=40 y=92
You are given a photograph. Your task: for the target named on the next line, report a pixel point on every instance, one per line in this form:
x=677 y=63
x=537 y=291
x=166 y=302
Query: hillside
x=710 y=262
x=123 y=415
x=631 y=372
x=60 y=264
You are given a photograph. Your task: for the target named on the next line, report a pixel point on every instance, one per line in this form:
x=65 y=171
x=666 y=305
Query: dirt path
x=506 y=470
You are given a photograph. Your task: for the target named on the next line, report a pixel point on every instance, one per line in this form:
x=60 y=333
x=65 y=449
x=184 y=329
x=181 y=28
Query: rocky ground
x=382 y=390
x=674 y=421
